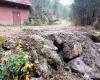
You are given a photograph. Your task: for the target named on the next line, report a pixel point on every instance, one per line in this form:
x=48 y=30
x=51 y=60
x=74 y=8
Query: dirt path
x=14 y=31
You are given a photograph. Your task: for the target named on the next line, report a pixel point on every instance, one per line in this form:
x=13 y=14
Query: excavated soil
x=76 y=49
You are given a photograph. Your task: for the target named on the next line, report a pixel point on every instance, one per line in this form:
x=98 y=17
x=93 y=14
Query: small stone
x=77 y=49
x=86 y=76
x=32 y=78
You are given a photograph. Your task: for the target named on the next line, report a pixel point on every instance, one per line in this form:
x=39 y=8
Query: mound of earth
x=64 y=54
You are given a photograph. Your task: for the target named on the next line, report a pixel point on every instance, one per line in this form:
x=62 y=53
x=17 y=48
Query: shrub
x=11 y=67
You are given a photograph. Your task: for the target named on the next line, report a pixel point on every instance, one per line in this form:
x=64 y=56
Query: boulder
x=79 y=66
x=49 y=44
x=72 y=51
x=53 y=58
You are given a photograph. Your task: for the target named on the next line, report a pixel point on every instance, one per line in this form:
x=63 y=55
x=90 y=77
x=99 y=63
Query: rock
x=43 y=67
x=95 y=76
x=32 y=78
x=51 y=54
x=54 y=63
x=37 y=38
x=49 y=44
x=45 y=50
x=64 y=75
x=67 y=44
x=36 y=41
x=7 y=53
x=49 y=50
x=71 y=51
x=9 y=44
x=77 y=49
x=54 y=55
x=77 y=65
x=66 y=53
x=50 y=47
x=98 y=44
x=86 y=76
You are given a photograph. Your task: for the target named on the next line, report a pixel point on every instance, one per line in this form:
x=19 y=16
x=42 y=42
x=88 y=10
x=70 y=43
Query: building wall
x=6 y=15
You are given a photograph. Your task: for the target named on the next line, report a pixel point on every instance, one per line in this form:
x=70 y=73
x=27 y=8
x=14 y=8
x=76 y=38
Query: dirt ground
x=15 y=30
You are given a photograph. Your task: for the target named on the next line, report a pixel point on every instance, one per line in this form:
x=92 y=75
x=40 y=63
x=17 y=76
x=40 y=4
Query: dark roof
x=14 y=4
x=23 y=2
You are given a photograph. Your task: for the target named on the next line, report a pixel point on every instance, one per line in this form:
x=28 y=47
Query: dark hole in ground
x=59 y=46
x=37 y=74
x=34 y=72
x=60 y=49
x=53 y=65
x=68 y=60
x=95 y=78
x=5 y=48
x=95 y=38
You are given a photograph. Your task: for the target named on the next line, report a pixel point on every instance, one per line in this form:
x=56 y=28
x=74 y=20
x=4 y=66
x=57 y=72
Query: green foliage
x=12 y=65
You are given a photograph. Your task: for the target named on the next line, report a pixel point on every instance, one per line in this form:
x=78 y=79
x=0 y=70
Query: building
x=14 y=12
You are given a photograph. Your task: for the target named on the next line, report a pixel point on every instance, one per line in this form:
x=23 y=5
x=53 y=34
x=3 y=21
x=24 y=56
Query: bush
x=12 y=65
